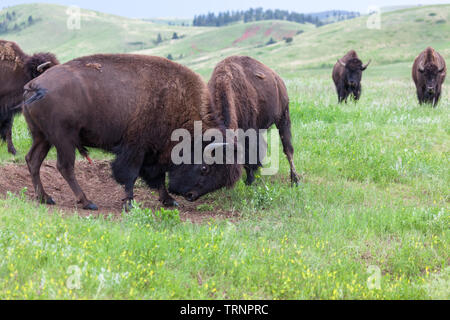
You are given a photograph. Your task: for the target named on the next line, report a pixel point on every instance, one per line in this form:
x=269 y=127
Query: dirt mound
x=99 y=186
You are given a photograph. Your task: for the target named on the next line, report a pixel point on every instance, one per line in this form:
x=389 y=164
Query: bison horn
x=421 y=67
x=213 y=146
x=342 y=63
x=41 y=67
x=442 y=69
x=364 y=67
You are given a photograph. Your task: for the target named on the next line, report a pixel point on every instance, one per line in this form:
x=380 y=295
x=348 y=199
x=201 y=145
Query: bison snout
x=430 y=90
x=191 y=196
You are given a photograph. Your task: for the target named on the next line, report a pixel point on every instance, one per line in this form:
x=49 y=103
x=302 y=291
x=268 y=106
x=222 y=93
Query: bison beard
x=246 y=95
x=125 y=104
x=429 y=71
x=16 y=69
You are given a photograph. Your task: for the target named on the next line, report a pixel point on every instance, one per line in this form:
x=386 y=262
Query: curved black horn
x=41 y=67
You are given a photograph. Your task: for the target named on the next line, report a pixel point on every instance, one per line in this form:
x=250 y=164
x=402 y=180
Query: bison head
x=195 y=180
x=431 y=74
x=353 y=72
x=39 y=63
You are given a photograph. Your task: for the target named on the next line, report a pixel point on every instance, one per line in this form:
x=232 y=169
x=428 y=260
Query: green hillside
x=402 y=36
x=99 y=32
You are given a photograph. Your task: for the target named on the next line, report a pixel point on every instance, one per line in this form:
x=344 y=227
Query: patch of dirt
x=249 y=33
x=100 y=187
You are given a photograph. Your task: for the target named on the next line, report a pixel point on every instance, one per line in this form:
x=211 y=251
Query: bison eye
x=205 y=170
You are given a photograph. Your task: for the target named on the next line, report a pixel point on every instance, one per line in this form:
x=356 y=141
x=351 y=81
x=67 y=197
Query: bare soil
x=99 y=186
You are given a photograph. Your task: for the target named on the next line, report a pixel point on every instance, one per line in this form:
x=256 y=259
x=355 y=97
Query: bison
x=16 y=69
x=246 y=95
x=125 y=104
x=347 y=74
x=428 y=73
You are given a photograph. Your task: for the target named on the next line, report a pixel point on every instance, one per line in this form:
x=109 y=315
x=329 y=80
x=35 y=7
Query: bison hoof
x=12 y=151
x=295 y=179
x=170 y=203
x=127 y=206
x=47 y=200
x=250 y=180
x=91 y=207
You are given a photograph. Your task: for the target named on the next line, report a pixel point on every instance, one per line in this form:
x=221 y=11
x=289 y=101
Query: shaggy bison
x=347 y=74
x=16 y=69
x=428 y=73
x=246 y=95
x=125 y=104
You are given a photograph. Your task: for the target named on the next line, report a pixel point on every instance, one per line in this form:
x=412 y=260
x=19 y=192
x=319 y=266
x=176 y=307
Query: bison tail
x=38 y=94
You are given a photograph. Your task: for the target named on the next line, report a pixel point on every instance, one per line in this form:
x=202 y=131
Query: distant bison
x=125 y=104
x=16 y=69
x=429 y=71
x=347 y=74
x=246 y=95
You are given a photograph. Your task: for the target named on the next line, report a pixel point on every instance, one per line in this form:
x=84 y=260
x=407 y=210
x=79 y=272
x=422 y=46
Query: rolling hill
x=98 y=33
x=403 y=34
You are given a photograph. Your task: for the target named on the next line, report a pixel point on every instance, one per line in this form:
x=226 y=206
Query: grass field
x=374 y=198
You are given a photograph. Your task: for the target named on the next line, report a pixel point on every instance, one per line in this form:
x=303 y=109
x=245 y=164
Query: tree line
x=250 y=15
x=9 y=22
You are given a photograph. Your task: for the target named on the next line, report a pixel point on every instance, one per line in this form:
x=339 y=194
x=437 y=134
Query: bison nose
x=191 y=196
x=430 y=90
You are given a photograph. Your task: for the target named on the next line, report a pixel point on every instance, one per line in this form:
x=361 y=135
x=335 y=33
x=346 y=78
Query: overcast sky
x=189 y=8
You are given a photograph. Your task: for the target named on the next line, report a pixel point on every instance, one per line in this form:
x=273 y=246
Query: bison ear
x=364 y=67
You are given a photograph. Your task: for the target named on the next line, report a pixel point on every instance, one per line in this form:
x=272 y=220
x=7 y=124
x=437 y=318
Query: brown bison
x=428 y=73
x=125 y=104
x=16 y=69
x=347 y=74
x=246 y=95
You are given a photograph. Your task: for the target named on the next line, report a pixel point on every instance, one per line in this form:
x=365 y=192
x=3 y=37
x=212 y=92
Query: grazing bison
x=125 y=104
x=347 y=74
x=428 y=73
x=16 y=69
x=246 y=95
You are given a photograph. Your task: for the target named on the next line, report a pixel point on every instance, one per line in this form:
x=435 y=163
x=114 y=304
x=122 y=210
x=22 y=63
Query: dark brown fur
x=347 y=79
x=125 y=104
x=16 y=69
x=428 y=72
x=249 y=95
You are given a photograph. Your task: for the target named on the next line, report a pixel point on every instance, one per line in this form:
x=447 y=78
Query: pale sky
x=189 y=8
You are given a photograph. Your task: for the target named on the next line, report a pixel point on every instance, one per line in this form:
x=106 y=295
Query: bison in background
x=125 y=104
x=347 y=74
x=16 y=69
x=246 y=95
x=428 y=72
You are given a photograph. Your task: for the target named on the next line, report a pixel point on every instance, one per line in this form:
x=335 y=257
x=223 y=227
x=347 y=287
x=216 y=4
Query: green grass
x=375 y=194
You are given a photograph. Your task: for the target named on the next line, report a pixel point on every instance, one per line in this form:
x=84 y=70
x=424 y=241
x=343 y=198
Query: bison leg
x=11 y=148
x=436 y=99
x=126 y=170
x=155 y=178
x=6 y=133
x=65 y=165
x=250 y=175
x=284 y=127
x=34 y=158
